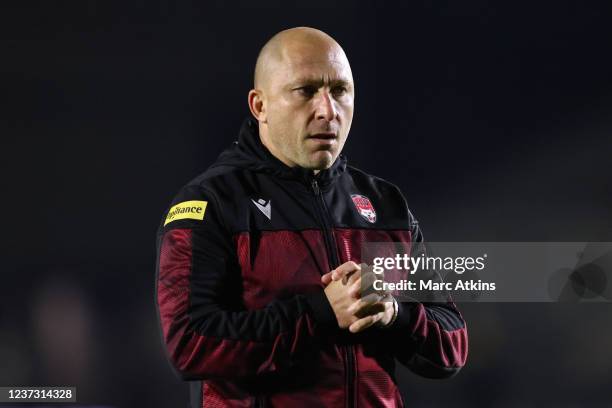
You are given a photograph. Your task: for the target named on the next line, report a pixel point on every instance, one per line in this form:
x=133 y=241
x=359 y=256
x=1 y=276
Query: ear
x=257 y=105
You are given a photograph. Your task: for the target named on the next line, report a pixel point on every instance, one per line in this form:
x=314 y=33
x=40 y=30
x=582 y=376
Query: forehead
x=317 y=71
x=307 y=62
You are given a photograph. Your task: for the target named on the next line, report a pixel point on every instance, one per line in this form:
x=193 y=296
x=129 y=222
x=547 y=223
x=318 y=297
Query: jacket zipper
x=332 y=253
x=327 y=234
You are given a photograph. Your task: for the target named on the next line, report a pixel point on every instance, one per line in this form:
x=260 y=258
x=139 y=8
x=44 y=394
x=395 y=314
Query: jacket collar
x=257 y=157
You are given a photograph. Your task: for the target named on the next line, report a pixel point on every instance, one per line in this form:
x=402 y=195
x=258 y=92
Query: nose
x=325 y=107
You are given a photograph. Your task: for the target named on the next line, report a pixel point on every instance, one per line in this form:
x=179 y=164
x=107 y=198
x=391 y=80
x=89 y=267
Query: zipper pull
x=315 y=187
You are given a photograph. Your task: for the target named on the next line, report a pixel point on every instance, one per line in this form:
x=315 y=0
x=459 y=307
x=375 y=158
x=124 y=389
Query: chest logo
x=364 y=207
x=265 y=206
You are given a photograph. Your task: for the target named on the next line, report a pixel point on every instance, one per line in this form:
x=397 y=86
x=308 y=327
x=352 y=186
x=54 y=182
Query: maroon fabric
x=350 y=241
x=189 y=351
x=375 y=387
x=277 y=264
x=173 y=288
x=224 y=394
x=449 y=348
x=268 y=274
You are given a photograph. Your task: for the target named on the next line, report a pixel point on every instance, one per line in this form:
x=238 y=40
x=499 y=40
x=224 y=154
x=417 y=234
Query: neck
x=272 y=149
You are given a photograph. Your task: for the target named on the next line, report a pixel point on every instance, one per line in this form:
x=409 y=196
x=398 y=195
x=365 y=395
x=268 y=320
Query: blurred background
x=495 y=120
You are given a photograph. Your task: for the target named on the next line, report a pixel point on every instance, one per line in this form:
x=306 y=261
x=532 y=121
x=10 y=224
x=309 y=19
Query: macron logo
x=264 y=206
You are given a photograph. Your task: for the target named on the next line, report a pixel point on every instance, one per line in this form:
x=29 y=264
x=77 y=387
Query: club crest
x=364 y=207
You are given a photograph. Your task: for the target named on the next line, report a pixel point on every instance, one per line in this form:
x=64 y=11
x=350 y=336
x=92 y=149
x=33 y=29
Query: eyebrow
x=319 y=82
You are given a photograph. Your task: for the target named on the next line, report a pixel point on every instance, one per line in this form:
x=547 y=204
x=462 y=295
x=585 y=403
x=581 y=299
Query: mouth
x=324 y=137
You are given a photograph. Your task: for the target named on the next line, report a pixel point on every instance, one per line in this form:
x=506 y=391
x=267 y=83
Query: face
x=308 y=106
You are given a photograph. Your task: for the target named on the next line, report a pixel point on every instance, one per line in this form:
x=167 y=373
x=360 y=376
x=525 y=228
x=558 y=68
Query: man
x=259 y=290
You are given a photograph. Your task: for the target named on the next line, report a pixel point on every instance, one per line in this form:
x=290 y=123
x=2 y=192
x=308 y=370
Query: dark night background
x=495 y=120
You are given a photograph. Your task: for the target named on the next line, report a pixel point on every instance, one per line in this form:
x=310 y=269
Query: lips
x=323 y=136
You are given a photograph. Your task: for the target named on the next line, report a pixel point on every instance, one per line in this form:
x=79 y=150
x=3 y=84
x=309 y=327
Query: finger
x=362 y=285
x=336 y=276
x=388 y=313
x=358 y=287
x=352 y=277
x=355 y=288
x=367 y=305
x=344 y=270
x=356 y=274
x=327 y=278
x=368 y=310
x=367 y=283
x=348 y=279
x=365 y=322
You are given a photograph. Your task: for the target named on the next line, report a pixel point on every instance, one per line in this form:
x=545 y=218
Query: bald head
x=295 y=46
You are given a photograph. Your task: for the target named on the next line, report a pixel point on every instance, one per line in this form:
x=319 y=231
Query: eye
x=307 y=91
x=339 y=90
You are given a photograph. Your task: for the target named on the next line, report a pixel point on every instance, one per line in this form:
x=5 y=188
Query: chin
x=323 y=166
x=321 y=161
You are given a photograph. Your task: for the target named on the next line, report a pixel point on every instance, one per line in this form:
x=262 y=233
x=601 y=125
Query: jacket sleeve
x=430 y=338
x=206 y=331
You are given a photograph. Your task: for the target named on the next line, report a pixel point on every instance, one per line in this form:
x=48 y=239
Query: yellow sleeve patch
x=187 y=209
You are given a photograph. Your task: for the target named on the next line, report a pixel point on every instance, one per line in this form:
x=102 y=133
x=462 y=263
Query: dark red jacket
x=241 y=251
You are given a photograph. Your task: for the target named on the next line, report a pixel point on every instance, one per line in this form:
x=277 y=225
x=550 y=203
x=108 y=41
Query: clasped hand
x=345 y=289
